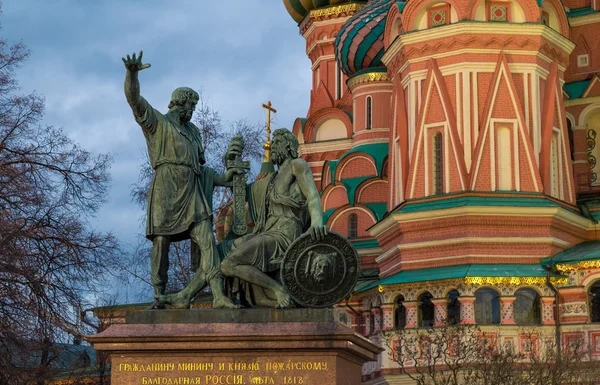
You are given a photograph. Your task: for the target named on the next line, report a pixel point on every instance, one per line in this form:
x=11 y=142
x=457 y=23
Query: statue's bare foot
x=178 y=300
x=284 y=300
x=224 y=303
x=157 y=305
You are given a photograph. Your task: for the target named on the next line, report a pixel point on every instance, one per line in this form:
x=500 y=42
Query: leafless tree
x=51 y=260
x=434 y=356
x=468 y=355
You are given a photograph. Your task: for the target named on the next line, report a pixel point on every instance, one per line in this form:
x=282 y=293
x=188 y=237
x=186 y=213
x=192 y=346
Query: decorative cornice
x=335 y=10
x=455 y=282
x=325 y=146
x=367 y=78
x=515 y=281
x=327 y=13
x=425 y=42
x=584 y=20
x=583 y=265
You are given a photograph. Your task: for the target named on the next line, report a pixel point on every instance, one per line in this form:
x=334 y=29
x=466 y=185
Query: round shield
x=320 y=273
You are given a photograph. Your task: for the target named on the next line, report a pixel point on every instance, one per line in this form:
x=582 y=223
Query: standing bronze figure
x=180 y=196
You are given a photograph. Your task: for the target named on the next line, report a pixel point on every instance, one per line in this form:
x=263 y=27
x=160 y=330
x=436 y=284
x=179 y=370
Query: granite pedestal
x=248 y=346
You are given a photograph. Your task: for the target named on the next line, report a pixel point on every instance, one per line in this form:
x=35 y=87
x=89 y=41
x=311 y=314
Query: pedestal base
x=254 y=346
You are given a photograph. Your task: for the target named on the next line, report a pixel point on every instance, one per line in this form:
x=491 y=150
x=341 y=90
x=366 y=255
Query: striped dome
x=300 y=8
x=359 y=44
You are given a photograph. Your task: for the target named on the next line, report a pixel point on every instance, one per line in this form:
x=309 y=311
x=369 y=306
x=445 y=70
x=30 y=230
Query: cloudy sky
x=240 y=52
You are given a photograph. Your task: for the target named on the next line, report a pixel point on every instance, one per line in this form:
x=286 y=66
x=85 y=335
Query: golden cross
x=267 y=144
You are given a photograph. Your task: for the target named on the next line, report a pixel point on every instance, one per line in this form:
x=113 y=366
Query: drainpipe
x=556 y=314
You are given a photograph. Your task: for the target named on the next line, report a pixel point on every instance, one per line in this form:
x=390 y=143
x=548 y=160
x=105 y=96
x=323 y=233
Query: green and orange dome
x=300 y=8
x=359 y=44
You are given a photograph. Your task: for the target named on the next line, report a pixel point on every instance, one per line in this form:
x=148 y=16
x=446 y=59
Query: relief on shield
x=320 y=274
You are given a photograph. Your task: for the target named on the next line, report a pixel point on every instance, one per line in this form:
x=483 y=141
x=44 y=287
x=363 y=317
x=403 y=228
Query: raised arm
x=307 y=185
x=134 y=65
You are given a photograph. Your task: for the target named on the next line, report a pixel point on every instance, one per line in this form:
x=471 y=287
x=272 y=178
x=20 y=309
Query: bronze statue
x=283 y=204
x=180 y=196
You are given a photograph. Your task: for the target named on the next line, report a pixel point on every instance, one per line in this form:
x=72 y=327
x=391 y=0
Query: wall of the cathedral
x=474 y=140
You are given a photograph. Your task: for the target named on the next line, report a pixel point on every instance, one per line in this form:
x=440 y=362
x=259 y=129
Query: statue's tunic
x=279 y=219
x=180 y=193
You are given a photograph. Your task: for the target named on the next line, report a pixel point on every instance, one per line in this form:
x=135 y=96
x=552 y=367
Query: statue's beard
x=278 y=157
x=185 y=116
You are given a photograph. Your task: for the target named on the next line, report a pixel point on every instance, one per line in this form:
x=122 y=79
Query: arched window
x=369 y=112
x=595 y=302
x=438 y=165
x=426 y=310
x=487 y=307
x=453 y=309
x=527 y=307
x=352 y=226
x=399 y=313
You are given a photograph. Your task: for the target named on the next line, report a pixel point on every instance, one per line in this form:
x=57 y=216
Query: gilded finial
x=267 y=144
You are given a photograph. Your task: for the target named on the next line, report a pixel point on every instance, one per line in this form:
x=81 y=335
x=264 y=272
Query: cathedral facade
x=454 y=143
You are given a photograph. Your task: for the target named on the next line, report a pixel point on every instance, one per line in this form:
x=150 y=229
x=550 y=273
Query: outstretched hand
x=134 y=64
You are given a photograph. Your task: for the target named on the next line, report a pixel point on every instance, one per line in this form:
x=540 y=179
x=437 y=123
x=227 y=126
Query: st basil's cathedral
x=455 y=144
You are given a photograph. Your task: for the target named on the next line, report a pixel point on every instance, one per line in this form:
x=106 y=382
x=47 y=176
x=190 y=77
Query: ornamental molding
x=574 y=309
x=335 y=10
x=480 y=35
x=505 y=286
x=514 y=281
x=584 y=20
x=583 y=265
x=368 y=77
x=325 y=146
x=515 y=212
x=328 y=13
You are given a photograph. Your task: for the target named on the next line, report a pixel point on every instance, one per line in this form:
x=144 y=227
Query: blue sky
x=240 y=52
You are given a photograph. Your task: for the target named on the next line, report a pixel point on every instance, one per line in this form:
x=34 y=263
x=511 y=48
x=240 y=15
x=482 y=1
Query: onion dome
x=359 y=44
x=300 y=8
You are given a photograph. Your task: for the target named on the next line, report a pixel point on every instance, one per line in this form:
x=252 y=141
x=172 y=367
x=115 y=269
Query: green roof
x=379 y=209
x=401 y=5
x=576 y=89
x=575 y=12
x=351 y=184
x=377 y=151
x=303 y=123
x=460 y=271
x=367 y=244
x=366 y=278
x=327 y=214
x=585 y=251
x=332 y=166
x=461 y=201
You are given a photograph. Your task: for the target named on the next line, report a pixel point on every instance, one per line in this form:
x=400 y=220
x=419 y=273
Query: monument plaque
x=252 y=346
